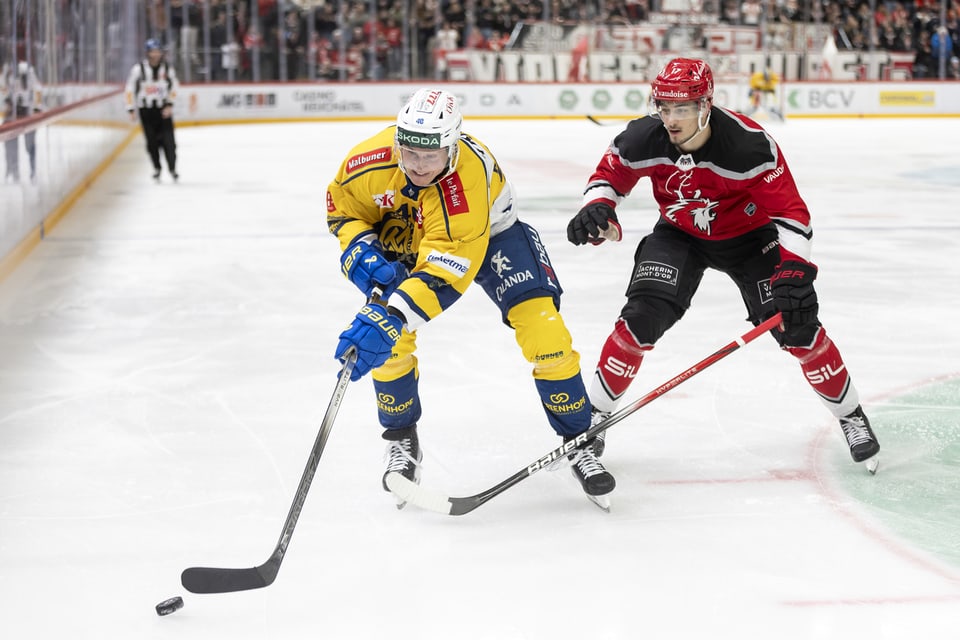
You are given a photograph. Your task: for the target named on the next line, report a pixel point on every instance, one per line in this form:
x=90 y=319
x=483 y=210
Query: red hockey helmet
x=683 y=79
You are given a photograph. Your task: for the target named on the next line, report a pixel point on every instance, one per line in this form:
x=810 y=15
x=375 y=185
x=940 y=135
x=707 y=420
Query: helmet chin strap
x=701 y=125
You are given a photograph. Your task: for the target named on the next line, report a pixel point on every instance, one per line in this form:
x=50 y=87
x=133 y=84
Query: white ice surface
x=166 y=357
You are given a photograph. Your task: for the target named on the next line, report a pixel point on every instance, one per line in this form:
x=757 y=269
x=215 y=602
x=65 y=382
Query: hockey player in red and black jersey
x=727 y=202
x=421 y=211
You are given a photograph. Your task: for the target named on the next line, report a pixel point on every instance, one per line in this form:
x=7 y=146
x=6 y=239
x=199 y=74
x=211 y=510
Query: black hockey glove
x=793 y=293
x=594 y=223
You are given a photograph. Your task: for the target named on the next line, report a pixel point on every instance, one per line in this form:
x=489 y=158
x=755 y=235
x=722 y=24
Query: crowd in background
x=366 y=40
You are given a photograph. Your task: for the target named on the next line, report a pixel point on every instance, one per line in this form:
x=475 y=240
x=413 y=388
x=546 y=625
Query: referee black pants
x=159 y=134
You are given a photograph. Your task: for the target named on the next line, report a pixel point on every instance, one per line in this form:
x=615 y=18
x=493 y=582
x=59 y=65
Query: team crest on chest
x=689 y=203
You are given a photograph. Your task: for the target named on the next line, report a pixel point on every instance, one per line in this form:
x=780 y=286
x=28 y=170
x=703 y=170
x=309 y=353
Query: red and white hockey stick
x=434 y=501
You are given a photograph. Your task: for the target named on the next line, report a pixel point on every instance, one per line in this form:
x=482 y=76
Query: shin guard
x=620 y=359
x=566 y=404
x=398 y=401
x=825 y=371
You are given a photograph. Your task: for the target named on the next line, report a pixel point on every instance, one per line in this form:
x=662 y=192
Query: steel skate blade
x=602 y=502
x=872 y=465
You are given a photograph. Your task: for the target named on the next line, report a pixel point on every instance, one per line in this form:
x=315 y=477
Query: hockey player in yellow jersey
x=763 y=93
x=422 y=210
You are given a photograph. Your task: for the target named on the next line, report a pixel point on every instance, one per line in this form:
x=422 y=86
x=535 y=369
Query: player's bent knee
x=561 y=368
x=544 y=339
x=649 y=318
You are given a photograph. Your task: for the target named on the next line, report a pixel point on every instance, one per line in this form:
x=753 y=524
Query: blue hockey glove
x=364 y=265
x=594 y=223
x=373 y=333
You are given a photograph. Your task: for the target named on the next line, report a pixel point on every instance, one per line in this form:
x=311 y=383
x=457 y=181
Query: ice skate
x=403 y=456
x=156 y=175
x=861 y=439
x=600 y=441
x=596 y=481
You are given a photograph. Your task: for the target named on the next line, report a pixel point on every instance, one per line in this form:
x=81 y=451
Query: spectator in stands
x=294 y=45
x=638 y=10
x=953 y=28
x=731 y=12
x=923 y=62
x=447 y=40
x=485 y=18
x=750 y=12
x=393 y=37
x=455 y=16
x=425 y=15
x=941 y=47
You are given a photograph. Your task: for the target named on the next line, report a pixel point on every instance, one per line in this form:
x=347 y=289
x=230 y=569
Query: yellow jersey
x=764 y=81
x=440 y=232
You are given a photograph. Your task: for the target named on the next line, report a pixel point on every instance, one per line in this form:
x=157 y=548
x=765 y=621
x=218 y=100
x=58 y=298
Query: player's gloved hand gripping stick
x=366 y=267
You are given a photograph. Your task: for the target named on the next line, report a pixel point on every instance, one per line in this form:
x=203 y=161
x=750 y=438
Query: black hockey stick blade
x=435 y=501
x=220 y=580
x=214 y=580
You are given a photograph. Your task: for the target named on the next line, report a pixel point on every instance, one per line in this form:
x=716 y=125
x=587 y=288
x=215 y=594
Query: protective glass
x=423 y=160
x=678 y=110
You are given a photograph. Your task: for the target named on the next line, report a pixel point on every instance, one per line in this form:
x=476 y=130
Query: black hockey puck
x=167 y=607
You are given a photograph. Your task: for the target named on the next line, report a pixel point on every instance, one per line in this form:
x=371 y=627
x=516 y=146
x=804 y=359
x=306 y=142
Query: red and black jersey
x=737 y=182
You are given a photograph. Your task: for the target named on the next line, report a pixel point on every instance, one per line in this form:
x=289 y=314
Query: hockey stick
x=435 y=501
x=214 y=580
x=600 y=123
x=618 y=122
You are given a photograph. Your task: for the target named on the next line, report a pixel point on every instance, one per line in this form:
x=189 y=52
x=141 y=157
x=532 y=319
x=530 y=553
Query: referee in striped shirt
x=151 y=90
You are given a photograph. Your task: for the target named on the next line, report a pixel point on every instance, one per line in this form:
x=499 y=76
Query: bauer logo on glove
x=373 y=334
x=378 y=316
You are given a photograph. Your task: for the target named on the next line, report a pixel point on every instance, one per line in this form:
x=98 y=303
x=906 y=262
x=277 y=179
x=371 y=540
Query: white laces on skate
x=587 y=463
x=855 y=430
x=398 y=456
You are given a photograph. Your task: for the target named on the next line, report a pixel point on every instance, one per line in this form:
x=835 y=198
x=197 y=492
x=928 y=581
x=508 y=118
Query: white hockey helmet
x=431 y=119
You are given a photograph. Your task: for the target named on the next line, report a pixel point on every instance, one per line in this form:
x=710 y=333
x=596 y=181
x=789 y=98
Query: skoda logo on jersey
x=500 y=264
